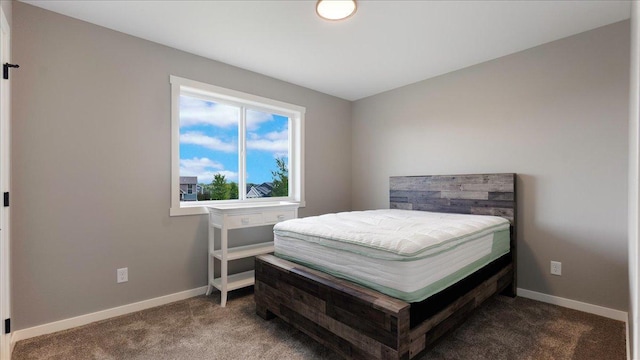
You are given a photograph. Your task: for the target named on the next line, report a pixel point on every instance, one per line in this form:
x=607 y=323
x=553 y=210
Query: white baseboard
x=102 y=315
x=575 y=305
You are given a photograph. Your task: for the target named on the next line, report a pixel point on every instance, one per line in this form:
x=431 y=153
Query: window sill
x=202 y=209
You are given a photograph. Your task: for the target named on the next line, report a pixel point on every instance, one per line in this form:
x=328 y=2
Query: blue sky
x=209 y=141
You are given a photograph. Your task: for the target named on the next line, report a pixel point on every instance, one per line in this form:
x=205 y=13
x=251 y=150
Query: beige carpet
x=198 y=328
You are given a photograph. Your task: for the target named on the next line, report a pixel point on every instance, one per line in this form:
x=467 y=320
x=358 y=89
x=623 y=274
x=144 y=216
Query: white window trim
x=296 y=146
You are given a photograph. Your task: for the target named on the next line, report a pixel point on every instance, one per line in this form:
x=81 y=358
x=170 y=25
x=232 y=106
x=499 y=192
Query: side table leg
x=224 y=262
x=223 y=298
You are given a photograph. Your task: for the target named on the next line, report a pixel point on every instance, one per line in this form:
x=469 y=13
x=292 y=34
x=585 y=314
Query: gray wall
x=557 y=115
x=91 y=165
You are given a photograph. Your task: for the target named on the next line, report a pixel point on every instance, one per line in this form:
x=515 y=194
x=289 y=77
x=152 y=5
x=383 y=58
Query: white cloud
x=255 y=118
x=278 y=135
x=205 y=169
x=198 y=138
x=277 y=146
x=199 y=112
x=200 y=164
x=276 y=142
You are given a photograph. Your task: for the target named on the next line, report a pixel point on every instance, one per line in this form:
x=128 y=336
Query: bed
x=362 y=322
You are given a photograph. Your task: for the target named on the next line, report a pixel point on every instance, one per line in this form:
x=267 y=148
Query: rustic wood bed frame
x=360 y=323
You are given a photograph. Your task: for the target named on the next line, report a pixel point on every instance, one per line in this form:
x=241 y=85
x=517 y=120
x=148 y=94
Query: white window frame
x=237 y=98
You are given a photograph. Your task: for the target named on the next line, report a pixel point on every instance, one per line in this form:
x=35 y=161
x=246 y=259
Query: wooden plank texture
x=354 y=321
x=462 y=194
x=353 y=327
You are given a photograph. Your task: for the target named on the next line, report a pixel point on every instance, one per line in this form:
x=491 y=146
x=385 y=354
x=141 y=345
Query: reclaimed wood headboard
x=481 y=194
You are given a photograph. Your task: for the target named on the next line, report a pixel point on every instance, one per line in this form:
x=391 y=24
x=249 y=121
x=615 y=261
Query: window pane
x=267 y=154
x=208 y=150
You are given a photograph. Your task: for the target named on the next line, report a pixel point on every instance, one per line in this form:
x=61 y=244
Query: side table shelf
x=240 y=252
x=236 y=281
x=235 y=216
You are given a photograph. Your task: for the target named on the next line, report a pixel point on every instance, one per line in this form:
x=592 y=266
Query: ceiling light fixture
x=335 y=9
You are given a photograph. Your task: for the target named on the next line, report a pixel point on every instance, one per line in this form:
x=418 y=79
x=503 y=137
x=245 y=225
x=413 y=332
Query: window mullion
x=242 y=163
x=291 y=158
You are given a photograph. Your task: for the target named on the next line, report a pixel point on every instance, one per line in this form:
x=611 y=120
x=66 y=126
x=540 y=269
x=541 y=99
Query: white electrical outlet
x=122 y=275
x=556 y=268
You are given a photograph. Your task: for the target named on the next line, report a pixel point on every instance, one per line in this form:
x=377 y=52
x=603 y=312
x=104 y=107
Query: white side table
x=235 y=216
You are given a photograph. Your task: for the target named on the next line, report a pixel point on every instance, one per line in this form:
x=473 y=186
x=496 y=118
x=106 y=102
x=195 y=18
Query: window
x=232 y=147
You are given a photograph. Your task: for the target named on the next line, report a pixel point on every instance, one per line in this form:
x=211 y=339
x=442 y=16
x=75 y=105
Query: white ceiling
x=386 y=44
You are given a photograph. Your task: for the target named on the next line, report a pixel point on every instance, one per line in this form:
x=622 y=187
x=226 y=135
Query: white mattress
x=410 y=255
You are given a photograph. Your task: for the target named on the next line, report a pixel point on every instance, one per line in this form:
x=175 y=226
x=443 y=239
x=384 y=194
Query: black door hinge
x=6 y=199
x=7 y=326
x=5 y=69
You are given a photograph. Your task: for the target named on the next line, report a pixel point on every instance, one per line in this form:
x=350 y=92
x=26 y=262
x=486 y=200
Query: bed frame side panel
x=354 y=321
